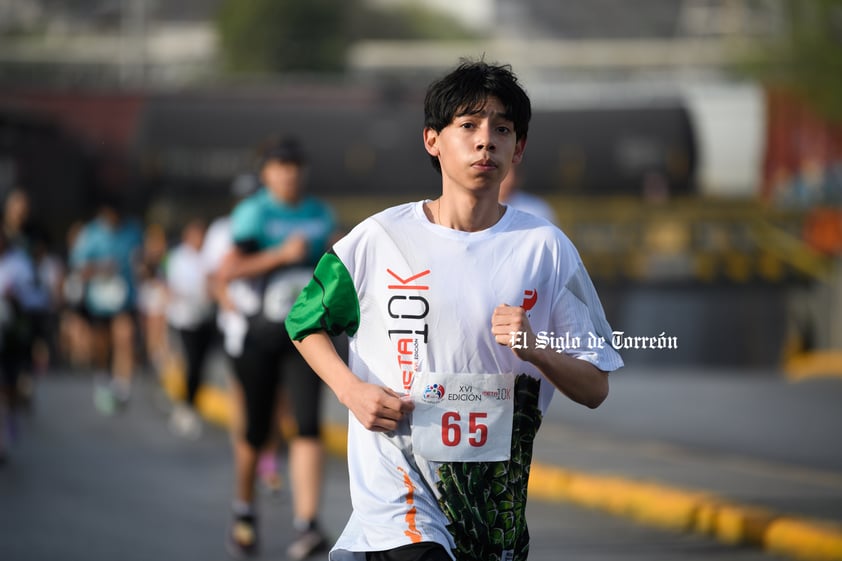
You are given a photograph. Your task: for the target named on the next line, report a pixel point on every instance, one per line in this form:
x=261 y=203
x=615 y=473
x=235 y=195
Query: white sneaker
x=185 y=422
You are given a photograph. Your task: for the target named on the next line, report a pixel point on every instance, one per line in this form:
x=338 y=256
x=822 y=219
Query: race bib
x=282 y=289
x=107 y=294
x=73 y=289
x=463 y=417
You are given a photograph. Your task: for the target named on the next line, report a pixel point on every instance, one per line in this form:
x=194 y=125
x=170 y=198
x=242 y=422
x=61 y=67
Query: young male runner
x=446 y=382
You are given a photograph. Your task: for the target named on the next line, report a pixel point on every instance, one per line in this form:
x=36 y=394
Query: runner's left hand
x=511 y=328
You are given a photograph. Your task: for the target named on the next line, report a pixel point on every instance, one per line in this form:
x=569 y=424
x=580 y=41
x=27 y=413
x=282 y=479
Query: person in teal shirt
x=105 y=256
x=279 y=234
x=108 y=246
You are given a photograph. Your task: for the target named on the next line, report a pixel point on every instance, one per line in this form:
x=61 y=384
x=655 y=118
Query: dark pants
x=196 y=343
x=268 y=360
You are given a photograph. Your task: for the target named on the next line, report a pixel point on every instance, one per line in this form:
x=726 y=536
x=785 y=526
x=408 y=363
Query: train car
x=364 y=146
x=366 y=141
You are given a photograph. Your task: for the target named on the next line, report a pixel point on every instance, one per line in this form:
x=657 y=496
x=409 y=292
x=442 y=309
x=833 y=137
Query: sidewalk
x=790 y=511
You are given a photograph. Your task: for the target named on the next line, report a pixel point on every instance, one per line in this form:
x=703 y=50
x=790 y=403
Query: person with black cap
x=279 y=234
x=234 y=300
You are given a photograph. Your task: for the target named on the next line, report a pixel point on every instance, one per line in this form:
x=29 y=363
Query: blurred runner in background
x=17 y=225
x=152 y=297
x=279 y=234
x=190 y=314
x=234 y=300
x=49 y=277
x=105 y=256
x=20 y=296
x=75 y=345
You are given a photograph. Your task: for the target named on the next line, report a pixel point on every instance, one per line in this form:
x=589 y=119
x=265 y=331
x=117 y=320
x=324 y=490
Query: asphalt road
x=753 y=413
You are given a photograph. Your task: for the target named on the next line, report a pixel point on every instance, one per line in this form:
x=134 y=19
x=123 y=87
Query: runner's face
x=283 y=179
x=476 y=150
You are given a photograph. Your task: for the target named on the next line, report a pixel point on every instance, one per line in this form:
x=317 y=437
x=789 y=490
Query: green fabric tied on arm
x=328 y=303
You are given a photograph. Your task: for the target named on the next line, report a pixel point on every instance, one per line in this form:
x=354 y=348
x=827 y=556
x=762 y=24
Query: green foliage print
x=485 y=502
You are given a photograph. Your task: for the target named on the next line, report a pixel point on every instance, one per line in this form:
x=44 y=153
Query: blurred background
x=692 y=149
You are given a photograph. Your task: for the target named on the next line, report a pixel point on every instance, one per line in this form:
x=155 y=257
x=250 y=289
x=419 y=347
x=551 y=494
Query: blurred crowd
x=76 y=307
x=124 y=297
x=31 y=301
x=107 y=302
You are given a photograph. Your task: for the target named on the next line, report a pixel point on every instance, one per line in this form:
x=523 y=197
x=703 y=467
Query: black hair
x=466 y=89
x=286 y=150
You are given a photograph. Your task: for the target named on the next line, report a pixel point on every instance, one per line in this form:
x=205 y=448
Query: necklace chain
x=500 y=211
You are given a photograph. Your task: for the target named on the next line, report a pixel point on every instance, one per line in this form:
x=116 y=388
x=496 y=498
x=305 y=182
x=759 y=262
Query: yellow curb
x=211 y=401
x=687 y=510
x=645 y=502
x=648 y=503
x=335 y=439
x=815 y=364
x=805 y=541
x=738 y=524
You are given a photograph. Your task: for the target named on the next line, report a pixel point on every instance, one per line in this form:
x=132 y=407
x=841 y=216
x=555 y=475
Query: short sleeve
x=578 y=312
x=328 y=303
x=246 y=222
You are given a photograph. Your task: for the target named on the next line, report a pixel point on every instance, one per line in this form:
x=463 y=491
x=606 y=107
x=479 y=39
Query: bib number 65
x=451 y=429
x=472 y=422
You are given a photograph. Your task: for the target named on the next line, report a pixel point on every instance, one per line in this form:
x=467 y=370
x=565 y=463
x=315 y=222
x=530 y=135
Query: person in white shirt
x=189 y=313
x=236 y=299
x=464 y=318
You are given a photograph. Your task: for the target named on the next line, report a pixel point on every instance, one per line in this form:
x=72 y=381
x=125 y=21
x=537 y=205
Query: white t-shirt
x=218 y=242
x=189 y=303
x=416 y=297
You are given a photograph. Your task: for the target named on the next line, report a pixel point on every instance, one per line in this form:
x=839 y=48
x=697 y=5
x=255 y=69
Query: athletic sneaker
x=122 y=392
x=104 y=399
x=185 y=422
x=242 y=536
x=307 y=543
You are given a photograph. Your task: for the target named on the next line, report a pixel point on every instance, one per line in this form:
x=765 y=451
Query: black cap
x=286 y=150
